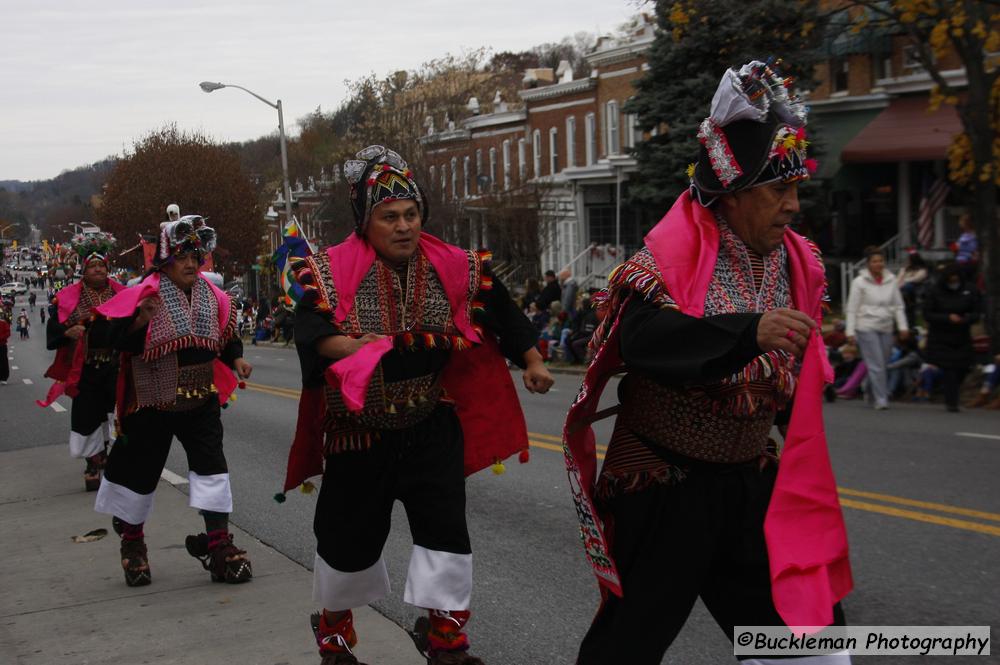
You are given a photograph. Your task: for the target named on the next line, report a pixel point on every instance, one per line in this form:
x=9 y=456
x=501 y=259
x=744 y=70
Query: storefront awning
x=905 y=132
x=835 y=131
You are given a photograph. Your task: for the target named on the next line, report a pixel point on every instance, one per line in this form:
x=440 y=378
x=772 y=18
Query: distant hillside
x=15 y=185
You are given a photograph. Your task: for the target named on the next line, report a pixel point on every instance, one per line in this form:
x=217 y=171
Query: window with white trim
x=611 y=118
x=633 y=135
x=570 y=141
x=479 y=170
x=536 y=152
x=433 y=176
x=553 y=151
x=454 y=177
x=590 y=138
x=444 y=183
x=506 y=164
x=465 y=176
x=522 y=159
x=493 y=168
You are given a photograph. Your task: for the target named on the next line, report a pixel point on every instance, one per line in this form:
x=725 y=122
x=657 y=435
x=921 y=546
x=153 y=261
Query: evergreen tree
x=697 y=41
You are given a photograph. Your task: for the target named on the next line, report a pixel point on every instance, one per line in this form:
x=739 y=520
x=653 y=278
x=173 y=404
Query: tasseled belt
x=194 y=387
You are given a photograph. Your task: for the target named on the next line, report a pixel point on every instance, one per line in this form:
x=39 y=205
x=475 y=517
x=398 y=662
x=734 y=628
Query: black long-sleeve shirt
x=500 y=316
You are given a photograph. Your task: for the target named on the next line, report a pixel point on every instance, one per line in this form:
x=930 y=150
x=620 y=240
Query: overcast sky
x=80 y=80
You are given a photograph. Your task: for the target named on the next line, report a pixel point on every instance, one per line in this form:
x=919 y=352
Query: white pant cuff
x=839 y=658
x=336 y=590
x=120 y=501
x=439 y=580
x=87 y=445
x=210 y=492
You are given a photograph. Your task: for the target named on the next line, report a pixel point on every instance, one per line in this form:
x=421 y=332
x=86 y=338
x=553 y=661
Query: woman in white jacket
x=873 y=306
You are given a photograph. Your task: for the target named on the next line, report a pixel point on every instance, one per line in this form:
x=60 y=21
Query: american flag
x=932 y=201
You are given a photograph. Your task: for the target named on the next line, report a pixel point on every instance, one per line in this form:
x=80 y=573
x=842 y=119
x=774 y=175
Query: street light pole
x=209 y=86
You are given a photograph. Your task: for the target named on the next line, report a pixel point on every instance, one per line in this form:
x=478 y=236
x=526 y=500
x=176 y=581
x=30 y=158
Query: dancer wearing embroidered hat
x=177 y=332
x=85 y=367
x=711 y=321
x=405 y=392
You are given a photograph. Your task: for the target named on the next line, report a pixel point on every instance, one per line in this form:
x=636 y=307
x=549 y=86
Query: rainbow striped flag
x=294 y=244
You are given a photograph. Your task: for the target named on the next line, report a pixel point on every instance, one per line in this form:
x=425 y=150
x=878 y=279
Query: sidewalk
x=63 y=603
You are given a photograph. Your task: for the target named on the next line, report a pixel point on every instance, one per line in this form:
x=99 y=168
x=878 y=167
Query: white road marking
x=28 y=381
x=975 y=435
x=57 y=407
x=15 y=366
x=173 y=478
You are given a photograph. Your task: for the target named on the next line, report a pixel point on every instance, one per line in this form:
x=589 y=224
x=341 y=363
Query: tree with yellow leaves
x=969 y=30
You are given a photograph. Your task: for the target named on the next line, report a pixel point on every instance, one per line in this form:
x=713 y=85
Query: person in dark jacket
x=551 y=293
x=950 y=309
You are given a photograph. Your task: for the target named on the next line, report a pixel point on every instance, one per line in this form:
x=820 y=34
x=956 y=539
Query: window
x=493 y=168
x=839 y=70
x=590 y=137
x=611 y=118
x=444 y=183
x=553 y=151
x=522 y=159
x=570 y=142
x=882 y=66
x=433 y=176
x=479 y=170
x=633 y=135
x=911 y=63
x=536 y=152
x=465 y=177
x=506 y=164
x=454 y=177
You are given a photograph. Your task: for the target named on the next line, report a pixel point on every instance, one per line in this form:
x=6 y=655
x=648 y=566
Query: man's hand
x=146 y=311
x=537 y=378
x=243 y=368
x=76 y=331
x=341 y=346
x=956 y=318
x=785 y=330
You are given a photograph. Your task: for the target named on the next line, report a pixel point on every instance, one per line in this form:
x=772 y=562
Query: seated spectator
x=904 y=363
x=991 y=379
x=582 y=330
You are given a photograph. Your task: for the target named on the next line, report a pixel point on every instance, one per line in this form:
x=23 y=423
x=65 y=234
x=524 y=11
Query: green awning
x=835 y=131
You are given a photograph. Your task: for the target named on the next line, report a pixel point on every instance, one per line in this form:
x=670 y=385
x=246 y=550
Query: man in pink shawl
x=85 y=367
x=714 y=324
x=177 y=335
x=405 y=392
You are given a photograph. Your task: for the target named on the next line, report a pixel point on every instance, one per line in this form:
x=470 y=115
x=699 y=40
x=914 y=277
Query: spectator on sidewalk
x=551 y=293
x=912 y=280
x=584 y=326
x=967 y=250
x=4 y=336
x=568 y=291
x=904 y=364
x=991 y=379
x=873 y=305
x=950 y=309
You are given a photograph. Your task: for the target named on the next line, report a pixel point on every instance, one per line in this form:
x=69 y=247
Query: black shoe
x=226 y=563
x=135 y=563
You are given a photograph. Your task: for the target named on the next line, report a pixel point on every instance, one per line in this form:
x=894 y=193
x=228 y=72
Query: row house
x=883 y=149
x=568 y=143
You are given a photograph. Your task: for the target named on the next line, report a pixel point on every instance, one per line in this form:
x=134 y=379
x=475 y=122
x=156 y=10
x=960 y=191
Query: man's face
x=394 y=230
x=759 y=216
x=183 y=270
x=95 y=275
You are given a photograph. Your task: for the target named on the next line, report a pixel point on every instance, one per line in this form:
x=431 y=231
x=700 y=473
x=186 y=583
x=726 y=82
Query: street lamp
x=209 y=86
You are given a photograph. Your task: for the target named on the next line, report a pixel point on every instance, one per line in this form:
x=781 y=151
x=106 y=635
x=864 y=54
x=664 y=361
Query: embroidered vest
x=721 y=421
x=415 y=311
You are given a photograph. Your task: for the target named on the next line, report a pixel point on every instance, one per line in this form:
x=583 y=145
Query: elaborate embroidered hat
x=94 y=246
x=187 y=234
x=754 y=135
x=379 y=175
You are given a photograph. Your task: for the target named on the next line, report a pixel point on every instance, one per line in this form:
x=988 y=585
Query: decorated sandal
x=335 y=643
x=226 y=562
x=135 y=563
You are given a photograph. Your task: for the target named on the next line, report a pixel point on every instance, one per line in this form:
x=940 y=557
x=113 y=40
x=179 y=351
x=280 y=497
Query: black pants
x=421 y=466
x=702 y=537
x=137 y=460
x=4 y=363
x=951 y=384
x=96 y=398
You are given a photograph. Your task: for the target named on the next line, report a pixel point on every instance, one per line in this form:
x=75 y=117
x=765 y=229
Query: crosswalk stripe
x=173 y=478
x=57 y=407
x=28 y=382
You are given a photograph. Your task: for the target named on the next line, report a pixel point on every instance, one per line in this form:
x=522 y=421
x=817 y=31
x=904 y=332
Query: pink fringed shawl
x=804 y=528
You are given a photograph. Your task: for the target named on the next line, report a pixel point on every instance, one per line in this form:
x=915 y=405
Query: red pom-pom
x=800 y=134
x=811 y=165
x=524 y=456
x=243 y=385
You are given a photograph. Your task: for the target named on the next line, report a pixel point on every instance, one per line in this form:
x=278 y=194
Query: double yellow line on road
x=887 y=505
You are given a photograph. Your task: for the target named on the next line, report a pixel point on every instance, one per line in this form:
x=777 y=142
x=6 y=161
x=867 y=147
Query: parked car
x=13 y=288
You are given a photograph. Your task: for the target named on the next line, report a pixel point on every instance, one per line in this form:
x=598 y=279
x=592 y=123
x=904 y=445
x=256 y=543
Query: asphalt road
x=918 y=485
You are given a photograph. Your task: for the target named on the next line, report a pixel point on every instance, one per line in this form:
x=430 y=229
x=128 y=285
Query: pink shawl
x=125 y=303
x=804 y=528
x=349 y=263
x=67 y=368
